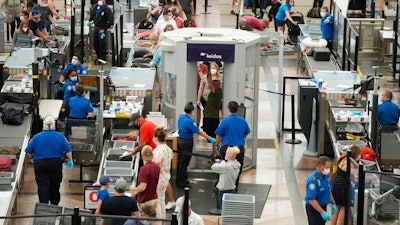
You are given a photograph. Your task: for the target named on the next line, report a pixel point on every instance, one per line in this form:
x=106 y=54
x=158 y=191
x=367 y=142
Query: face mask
x=61 y=81
x=145 y=222
x=323 y=14
x=327 y=171
x=194 y=106
x=172 y=0
x=170 y=18
x=291 y=4
x=21 y=18
x=100 y=3
x=25 y=29
x=74 y=78
x=213 y=71
x=44 y=5
x=74 y=62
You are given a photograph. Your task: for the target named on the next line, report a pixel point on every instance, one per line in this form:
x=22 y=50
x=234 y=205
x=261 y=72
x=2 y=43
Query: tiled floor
x=284 y=168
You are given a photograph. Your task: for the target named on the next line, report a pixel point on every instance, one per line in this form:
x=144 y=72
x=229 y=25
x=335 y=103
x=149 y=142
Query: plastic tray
x=6 y=177
x=115 y=173
x=118 y=164
x=124 y=137
x=124 y=144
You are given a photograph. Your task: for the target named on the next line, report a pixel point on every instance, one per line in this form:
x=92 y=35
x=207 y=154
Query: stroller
x=293 y=30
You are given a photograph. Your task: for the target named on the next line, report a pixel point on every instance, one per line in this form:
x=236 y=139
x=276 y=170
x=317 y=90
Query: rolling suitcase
x=139 y=14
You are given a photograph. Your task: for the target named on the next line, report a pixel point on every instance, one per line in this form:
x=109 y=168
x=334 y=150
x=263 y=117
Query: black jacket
x=105 y=18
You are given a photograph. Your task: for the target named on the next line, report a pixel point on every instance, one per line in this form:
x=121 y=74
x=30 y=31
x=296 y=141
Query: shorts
x=281 y=23
x=210 y=125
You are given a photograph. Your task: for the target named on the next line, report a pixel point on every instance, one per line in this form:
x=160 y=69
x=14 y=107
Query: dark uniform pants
x=314 y=218
x=239 y=158
x=99 y=44
x=185 y=148
x=48 y=173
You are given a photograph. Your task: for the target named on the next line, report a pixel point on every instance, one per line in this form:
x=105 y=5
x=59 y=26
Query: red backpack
x=5 y=164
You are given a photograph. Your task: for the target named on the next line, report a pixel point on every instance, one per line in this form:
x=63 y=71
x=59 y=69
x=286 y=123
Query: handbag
x=10 y=18
x=314 y=12
x=59 y=31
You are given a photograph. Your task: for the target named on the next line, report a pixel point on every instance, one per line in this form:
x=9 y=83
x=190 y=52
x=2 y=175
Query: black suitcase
x=322 y=54
x=139 y=14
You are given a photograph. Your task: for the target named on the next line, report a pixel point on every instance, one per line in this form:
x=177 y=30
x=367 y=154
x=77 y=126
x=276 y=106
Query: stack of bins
x=114 y=166
x=237 y=209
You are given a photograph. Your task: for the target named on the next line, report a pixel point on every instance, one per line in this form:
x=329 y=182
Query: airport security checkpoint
x=325 y=102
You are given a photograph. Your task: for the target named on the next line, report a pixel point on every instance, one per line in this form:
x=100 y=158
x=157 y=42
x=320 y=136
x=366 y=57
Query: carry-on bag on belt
x=5 y=164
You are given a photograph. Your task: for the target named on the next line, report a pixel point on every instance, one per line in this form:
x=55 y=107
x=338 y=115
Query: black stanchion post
x=174 y=220
x=76 y=218
x=360 y=196
x=293 y=140
x=185 y=211
x=83 y=55
x=237 y=21
x=347 y=189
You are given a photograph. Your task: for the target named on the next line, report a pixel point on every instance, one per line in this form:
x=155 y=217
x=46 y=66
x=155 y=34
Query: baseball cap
x=134 y=117
x=147 y=153
x=120 y=185
x=35 y=12
x=104 y=180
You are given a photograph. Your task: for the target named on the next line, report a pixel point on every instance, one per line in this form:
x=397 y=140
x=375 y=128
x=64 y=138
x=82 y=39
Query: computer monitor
x=57 y=59
x=366 y=85
x=90 y=82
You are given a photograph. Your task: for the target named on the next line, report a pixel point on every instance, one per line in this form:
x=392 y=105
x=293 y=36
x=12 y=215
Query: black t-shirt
x=33 y=25
x=118 y=205
x=44 y=11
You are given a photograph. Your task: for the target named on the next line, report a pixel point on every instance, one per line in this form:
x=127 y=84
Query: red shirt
x=254 y=22
x=149 y=174
x=146 y=133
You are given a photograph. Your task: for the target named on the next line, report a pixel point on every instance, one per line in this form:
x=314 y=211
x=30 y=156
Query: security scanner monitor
x=57 y=59
x=367 y=85
x=92 y=84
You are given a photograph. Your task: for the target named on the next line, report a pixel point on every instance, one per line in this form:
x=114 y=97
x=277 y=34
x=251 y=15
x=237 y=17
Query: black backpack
x=12 y=116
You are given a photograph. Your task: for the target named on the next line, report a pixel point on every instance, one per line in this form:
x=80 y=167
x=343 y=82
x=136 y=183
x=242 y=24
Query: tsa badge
x=311 y=186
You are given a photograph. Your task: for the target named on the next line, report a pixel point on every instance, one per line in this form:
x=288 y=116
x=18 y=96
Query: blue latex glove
x=70 y=164
x=326 y=21
x=102 y=35
x=88 y=23
x=333 y=208
x=325 y=216
x=218 y=149
x=212 y=140
x=32 y=160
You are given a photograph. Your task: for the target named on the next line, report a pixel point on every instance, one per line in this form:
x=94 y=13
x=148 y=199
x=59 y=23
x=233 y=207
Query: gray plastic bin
x=237 y=204
x=118 y=164
x=6 y=177
x=115 y=173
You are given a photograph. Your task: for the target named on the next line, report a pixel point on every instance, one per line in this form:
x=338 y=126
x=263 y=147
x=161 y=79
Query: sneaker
x=170 y=205
x=233 y=12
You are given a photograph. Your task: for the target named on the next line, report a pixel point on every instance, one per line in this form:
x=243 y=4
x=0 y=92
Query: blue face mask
x=74 y=78
x=145 y=222
x=170 y=18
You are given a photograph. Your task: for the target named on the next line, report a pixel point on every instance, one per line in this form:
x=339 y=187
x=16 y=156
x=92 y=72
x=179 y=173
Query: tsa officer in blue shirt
x=232 y=131
x=46 y=151
x=388 y=112
x=318 y=193
x=326 y=26
x=69 y=87
x=186 y=129
x=79 y=106
x=77 y=65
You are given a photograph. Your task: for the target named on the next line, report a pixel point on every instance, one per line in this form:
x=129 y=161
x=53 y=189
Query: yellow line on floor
x=90 y=66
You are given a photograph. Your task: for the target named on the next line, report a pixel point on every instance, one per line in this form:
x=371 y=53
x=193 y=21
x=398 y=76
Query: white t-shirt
x=161 y=24
x=165 y=153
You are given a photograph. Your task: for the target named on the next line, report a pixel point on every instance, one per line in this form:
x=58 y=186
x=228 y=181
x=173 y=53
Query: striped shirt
x=22 y=40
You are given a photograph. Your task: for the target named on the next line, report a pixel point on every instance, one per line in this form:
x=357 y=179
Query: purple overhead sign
x=211 y=52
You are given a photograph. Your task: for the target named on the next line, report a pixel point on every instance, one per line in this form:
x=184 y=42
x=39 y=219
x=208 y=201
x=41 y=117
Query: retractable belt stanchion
x=293 y=140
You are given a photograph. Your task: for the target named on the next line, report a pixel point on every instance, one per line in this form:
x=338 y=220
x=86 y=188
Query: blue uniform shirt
x=186 y=127
x=327 y=28
x=233 y=130
x=48 y=144
x=318 y=188
x=69 y=90
x=102 y=194
x=80 y=107
x=388 y=113
x=281 y=15
x=80 y=69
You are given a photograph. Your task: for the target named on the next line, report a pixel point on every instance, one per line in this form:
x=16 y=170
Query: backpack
x=59 y=31
x=5 y=164
x=144 y=24
x=12 y=116
x=314 y=12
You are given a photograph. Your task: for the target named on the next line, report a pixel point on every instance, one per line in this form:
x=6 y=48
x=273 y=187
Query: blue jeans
x=220 y=194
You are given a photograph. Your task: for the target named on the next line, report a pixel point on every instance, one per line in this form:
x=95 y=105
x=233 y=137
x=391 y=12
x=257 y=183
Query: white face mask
x=100 y=3
x=213 y=71
x=74 y=62
x=74 y=78
x=44 y=5
x=291 y=4
x=172 y=0
x=25 y=29
x=323 y=14
x=327 y=171
x=21 y=18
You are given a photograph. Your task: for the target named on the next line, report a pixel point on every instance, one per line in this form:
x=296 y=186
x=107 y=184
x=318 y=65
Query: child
x=102 y=194
x=228 y=170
